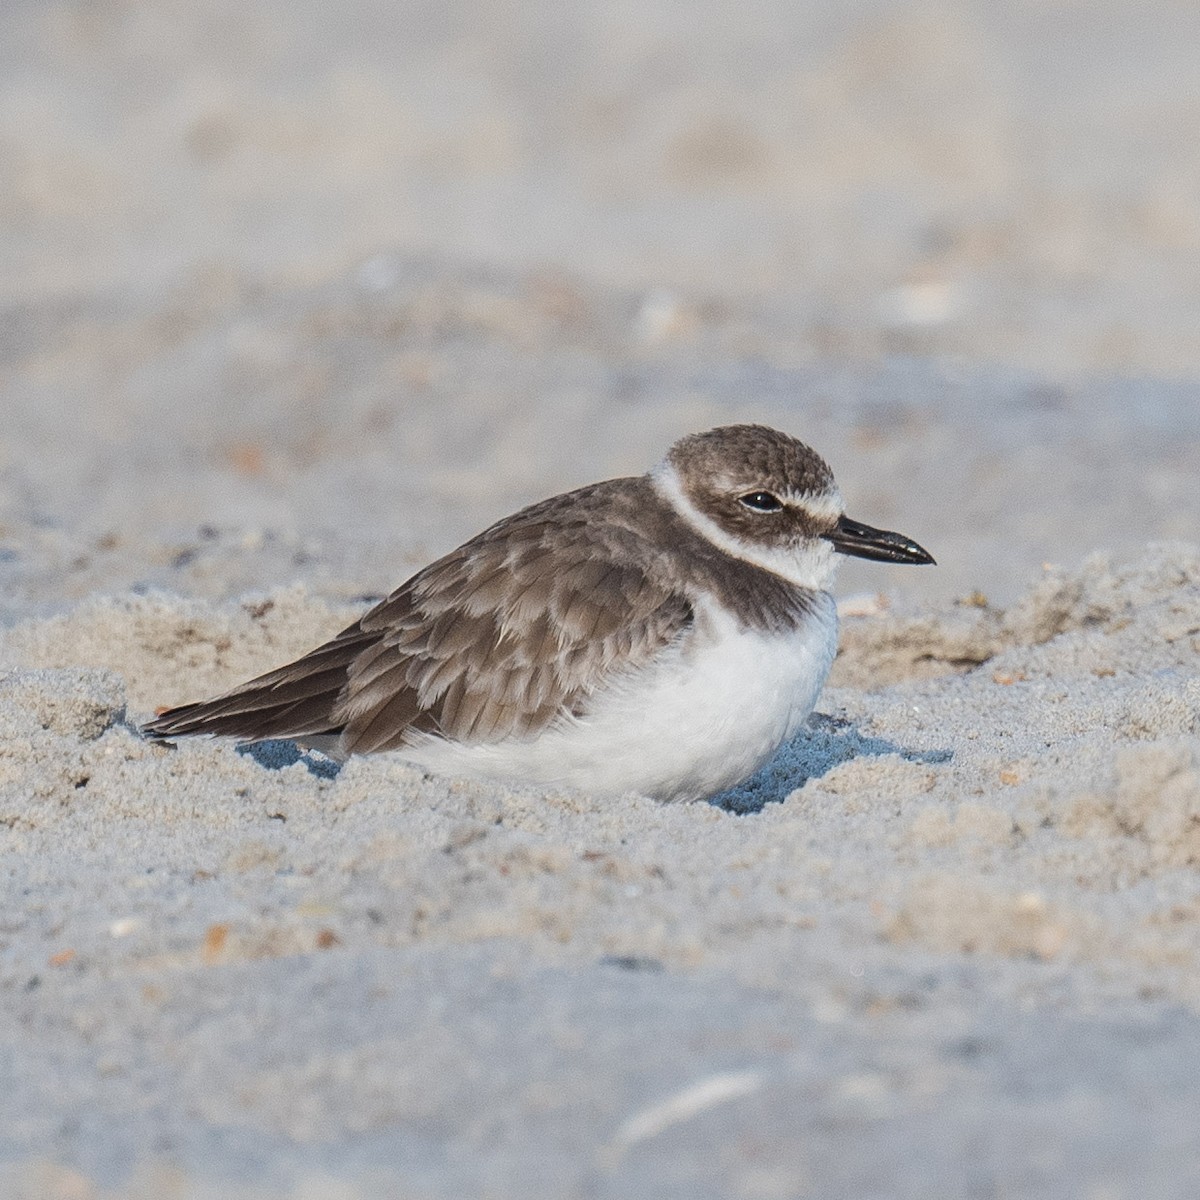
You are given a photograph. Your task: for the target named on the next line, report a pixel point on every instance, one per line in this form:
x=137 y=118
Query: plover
x=664 y=634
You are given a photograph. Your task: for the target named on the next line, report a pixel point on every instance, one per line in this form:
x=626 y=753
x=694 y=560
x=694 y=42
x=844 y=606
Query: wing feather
x=498 y=645
x=498 y=639
x=292 y=701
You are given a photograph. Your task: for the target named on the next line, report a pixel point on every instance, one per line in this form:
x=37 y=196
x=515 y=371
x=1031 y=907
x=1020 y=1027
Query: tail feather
x=298 y=700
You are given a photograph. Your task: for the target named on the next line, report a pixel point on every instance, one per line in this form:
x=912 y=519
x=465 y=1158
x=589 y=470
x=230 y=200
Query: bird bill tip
x=857 y=540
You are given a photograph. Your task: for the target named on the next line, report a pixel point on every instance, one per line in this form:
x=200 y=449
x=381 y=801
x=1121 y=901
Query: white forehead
x=826 y=505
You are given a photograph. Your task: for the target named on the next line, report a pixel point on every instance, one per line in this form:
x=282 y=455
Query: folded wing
x=512 y=631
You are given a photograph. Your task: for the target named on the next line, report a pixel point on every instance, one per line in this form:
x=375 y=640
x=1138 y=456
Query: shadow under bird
x=663 y=634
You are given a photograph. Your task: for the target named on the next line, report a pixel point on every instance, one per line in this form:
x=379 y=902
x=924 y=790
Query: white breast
x=712 y=710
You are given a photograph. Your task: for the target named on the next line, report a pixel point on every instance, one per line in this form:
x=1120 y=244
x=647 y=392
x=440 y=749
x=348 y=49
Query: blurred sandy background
x=296 y=296
x=385 y=271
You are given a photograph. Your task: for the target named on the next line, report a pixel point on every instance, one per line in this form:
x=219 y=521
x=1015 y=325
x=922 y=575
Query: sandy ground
x=295 y=298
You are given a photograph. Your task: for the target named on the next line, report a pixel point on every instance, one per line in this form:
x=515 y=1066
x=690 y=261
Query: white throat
x=810 y=564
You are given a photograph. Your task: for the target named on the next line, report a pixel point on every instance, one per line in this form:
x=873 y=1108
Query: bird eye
x=762 y=502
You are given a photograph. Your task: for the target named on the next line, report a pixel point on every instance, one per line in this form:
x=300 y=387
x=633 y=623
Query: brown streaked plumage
x=524 y=626
x=499 y=636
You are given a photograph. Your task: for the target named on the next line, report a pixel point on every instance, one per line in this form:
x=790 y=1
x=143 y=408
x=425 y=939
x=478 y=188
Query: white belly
x=709 y=713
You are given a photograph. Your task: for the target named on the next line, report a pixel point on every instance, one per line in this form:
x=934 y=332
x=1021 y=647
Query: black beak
x=861 y=541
